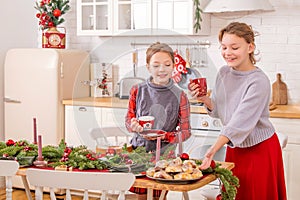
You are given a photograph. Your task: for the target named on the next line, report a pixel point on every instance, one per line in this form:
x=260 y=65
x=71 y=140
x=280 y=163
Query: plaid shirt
x=183 y=116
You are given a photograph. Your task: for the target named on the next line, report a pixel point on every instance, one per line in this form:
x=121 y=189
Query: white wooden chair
x=86 y=181
x=283 y=139
x=8 y=168
x=110 y=136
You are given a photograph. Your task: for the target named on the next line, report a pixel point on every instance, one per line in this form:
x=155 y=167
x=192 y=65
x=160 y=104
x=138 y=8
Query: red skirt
x=260 y=170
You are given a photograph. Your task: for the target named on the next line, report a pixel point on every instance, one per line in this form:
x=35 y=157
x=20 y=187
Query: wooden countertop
x=281 y=111
x=107 y=102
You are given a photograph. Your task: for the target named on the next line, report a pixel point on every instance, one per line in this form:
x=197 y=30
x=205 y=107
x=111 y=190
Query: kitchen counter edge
x=281 y=111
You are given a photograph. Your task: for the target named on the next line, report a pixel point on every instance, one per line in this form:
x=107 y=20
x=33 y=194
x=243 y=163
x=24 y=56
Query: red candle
x=34 y=131
x=40 y=156
x=157 y=156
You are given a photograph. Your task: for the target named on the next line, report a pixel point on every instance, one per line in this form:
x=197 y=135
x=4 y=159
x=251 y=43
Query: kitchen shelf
x=206 y=43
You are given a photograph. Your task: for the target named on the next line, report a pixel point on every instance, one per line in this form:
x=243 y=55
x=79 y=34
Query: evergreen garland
x=198 y=18
x=230 y=182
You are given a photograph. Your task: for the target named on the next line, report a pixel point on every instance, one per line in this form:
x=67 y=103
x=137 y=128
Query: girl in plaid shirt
x=158 y=96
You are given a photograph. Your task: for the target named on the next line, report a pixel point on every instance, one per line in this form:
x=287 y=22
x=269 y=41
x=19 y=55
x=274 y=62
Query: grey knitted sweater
x=241 y=101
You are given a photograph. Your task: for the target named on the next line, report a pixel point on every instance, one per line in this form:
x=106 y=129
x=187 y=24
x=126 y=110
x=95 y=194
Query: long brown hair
x=159 y=47
x=241 y=30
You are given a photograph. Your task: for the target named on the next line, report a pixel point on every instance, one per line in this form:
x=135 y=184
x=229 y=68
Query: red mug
x=147 y=122
x=201 y=82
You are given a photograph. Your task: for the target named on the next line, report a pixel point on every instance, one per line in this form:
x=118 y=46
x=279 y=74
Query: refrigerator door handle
x=9 y=100
x=61 y=70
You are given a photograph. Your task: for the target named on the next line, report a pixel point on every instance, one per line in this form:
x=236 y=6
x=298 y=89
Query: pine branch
x=198 y=18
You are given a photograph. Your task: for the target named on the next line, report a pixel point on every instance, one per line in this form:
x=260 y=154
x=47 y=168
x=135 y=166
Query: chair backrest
x=8 y=168
x=109 y=136
x=283 y=139
x=100 y=181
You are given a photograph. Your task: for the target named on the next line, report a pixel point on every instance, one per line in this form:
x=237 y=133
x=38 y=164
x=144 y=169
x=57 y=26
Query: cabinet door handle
x=82 y=109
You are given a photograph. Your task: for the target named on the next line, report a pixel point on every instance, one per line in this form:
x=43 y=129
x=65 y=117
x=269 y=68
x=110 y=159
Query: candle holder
x=40 y=163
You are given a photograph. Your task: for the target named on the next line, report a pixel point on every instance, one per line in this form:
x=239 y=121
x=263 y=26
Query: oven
x=204 y=132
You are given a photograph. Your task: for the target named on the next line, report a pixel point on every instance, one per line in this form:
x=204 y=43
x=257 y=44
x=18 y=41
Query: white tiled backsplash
x=278 y=44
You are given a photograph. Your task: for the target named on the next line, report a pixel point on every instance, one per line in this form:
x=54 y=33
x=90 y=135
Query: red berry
x=5 y=155
x=184 y=156
x=129 y=162
x=50 y=24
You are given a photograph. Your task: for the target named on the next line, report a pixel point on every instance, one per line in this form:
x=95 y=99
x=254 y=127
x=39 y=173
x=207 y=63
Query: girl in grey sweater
x=241 y=100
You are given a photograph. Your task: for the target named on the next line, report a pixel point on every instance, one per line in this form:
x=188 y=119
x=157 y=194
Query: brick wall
x=278 y=44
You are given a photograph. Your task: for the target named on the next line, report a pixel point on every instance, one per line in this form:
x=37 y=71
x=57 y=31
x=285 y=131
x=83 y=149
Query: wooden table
x=150 y=184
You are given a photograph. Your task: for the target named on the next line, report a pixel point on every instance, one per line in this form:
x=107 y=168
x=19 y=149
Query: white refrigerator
x=35 y=83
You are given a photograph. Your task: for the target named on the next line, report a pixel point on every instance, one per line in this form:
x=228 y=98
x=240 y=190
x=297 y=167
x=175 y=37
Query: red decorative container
x=52 y=38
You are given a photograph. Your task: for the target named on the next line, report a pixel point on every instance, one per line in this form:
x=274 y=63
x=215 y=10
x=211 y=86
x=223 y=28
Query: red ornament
x=111 y=151
x=176 y=76
x=184 y=156
x=180 y=67
x=180 y=63
x=56 y=13
x=10 y=142
x=213 y=164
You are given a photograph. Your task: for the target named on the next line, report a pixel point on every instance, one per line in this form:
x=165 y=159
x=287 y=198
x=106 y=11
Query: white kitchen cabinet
x=291 y=154
x=94 y=17
x=177 y=16
x=80 y=119
x=110 y=17
x=113 y=117
x=78 y=122
x=149 y=17
x=291 y=157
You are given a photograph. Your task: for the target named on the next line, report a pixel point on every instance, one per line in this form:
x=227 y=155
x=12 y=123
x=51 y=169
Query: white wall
x=18 y=29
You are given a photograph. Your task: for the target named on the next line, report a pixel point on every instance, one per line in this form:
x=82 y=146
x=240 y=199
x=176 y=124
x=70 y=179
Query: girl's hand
x=135 y=126
x=194 y=90
x=206 y=162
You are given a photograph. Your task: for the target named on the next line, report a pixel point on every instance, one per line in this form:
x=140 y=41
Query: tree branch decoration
x=198 y=18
